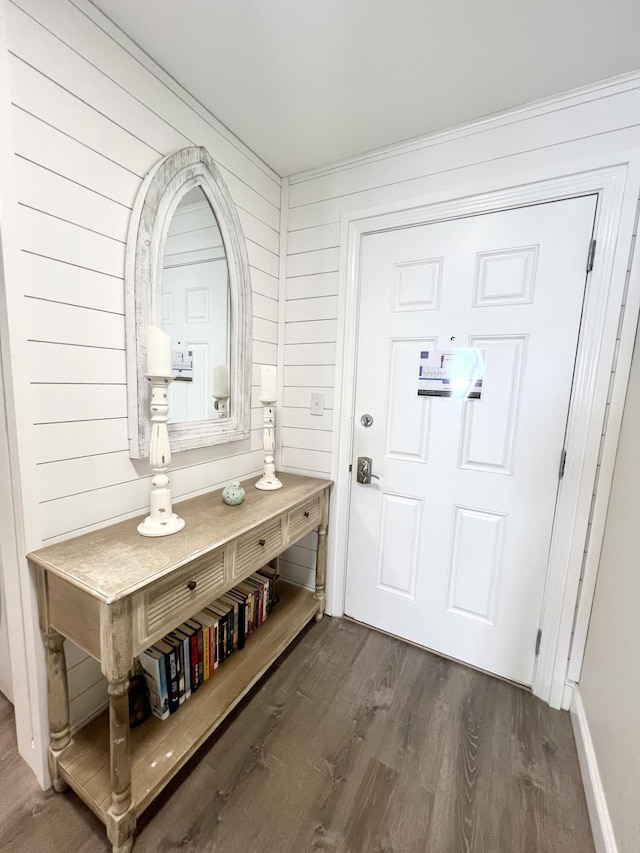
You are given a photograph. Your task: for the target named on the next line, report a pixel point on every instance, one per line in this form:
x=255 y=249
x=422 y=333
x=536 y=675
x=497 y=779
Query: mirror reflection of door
x=195 y=306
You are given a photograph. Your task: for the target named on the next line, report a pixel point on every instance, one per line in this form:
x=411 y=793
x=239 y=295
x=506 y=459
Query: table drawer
x=304 y=518
x=188 y=590
x=257 y=547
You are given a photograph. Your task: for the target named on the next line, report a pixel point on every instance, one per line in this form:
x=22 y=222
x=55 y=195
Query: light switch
x=317 y=403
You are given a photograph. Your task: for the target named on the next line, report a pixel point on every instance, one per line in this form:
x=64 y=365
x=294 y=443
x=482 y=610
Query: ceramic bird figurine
x=233 y=493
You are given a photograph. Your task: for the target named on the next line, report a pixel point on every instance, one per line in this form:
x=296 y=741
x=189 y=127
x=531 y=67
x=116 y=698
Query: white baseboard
x=601 y=828
x=567 y=695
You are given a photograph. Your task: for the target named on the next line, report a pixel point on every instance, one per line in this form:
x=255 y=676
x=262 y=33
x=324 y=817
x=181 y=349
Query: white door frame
x=19 y=528
x=617 y=188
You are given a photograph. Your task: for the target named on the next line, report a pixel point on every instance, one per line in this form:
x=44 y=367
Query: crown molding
x=574 y=97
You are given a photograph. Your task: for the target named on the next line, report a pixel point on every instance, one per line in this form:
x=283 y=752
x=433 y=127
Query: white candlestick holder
x=221 y=405
x=269 y=481
x=161 y=520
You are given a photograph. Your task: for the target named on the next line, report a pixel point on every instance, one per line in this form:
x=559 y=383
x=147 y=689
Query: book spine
x=177 y=647
x=153 y=670
x=233 y=602
x=223 y=632
x=232 y=630
x=193 y=657
x=261 y=598
x=205 y=652
x=171 y=667
x=267 y=586
x=270 y=571
x=242 y=623
x=186 y=656
x=223 y=626
x=181 y=682
x=200 y=658
x=213 y=648
x=177 y=639
x=254 y=610
x=164 y=693
x=237 y=598
x=219 y=636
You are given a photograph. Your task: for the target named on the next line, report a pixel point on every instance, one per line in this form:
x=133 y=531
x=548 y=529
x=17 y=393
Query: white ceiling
x=307 y=82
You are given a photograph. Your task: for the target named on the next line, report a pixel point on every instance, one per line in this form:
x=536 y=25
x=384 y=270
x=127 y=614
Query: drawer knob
x=306 y=513
x=191 y=585
x=262 y=542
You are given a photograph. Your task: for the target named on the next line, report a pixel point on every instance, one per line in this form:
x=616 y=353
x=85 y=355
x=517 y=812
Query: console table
x=114 y=593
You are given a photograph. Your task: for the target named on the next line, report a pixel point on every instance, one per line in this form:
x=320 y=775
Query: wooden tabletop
x=112 y=562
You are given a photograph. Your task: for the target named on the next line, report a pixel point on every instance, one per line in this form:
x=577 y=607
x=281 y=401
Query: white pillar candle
x=268 y=383
x=158 y=352
x=221 y=381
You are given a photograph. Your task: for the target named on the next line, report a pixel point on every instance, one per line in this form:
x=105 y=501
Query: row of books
x=180 y=663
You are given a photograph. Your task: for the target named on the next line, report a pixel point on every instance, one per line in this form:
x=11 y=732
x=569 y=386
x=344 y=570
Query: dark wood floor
x=354 y=742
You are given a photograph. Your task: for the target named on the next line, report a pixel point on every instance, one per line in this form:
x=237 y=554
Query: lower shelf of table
x=159 y=748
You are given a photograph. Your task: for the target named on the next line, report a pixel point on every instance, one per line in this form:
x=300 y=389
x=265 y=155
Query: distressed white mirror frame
x=159 y=196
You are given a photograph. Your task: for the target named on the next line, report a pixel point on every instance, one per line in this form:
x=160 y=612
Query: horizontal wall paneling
x=306 y=439
x=319 y=284
x=63 y=155
x=311 y=308
x=40 y=96
x=311 y=354
x=311 y=239
x=83 y=365
x=73 y=439
x=264 y=284
x=265 y=307
x=52 y=279
x=64 y=241
x=70 y=324
x=47 y=192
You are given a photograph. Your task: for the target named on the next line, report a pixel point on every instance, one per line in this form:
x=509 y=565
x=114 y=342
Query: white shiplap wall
x=570 y=133
x=91 y=116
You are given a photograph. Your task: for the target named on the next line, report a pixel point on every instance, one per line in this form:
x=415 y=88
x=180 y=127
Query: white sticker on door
x=454 y=373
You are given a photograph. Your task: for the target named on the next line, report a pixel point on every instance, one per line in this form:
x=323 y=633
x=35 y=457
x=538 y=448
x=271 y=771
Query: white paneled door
x=194 y=310
x=449 y=547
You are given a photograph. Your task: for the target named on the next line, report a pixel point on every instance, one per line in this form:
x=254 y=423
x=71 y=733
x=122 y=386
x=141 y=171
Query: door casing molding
x=617 y=188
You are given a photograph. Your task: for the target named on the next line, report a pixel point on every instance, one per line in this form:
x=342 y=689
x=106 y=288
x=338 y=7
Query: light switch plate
x=317 y=403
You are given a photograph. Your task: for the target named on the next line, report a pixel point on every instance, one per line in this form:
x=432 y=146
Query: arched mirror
x=188 y=273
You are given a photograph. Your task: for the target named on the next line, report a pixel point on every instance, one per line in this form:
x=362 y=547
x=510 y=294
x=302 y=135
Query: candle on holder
x=158 y=352
x=221 y=381
x=268 y=397
x=268 y=383
x=161 y=520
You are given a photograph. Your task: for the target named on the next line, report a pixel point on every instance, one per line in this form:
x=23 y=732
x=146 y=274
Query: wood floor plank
x=367 y=828
x=354 y=742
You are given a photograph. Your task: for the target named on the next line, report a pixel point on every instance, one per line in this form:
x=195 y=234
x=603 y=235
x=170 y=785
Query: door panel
x=400 y=523
x=407 y=432
x=488 y=432
x=449 y=547
x=475 y=563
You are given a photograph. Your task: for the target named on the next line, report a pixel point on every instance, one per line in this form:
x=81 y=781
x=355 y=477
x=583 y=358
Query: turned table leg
x=121 y=814
x=119 y=738
x=320 y=570
x=58 y=696
x=117 y=660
